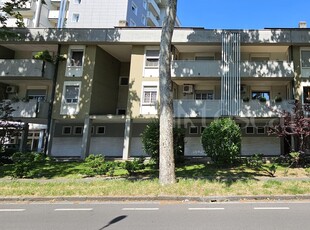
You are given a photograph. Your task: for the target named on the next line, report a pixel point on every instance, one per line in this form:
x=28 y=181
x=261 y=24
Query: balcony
x=267 y=69
x=184 y=68
x=53 y=15
x=154 y=8
x=152 y=20
x=30 y=109
x=26 y=68
x=193 y=68
x=28 y=10
x=212 y=108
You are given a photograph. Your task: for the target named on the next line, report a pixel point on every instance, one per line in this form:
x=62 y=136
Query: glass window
x=38 y=94
x=149 y=95
x=305 y=58
x=76 y=57
x=123 y=81
x=75 y=17
x=134 y=8
x=78 y=130
x=204 y=95
x=72 y=93
x=77 y=1
x=307 y=94
x=193 y=129
x=66 y=130
x=260 y=94
x=249 y=130
x=144 y=4
x=260 y=130
x=152 y=58
x=100 y=129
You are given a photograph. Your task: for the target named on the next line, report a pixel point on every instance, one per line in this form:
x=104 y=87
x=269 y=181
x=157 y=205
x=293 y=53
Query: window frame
x=97 y=130
x=151 y=90
x=134 y=8
x=78 y=127
x=151 y=57
x=301 y=60
x=120 y=81
x=65 y=127
x=261 y=127
x=72 y=50
x=247 y=131
x=193 y=127
x=75 y=17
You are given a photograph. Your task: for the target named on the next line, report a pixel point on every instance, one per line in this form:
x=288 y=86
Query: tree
x=294 y=124
x=166 y=159
x=221 y=141
x=8 y=127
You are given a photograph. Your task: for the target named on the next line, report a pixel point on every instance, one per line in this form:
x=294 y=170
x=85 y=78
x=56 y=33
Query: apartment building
x=92 y=13
x=106 y=86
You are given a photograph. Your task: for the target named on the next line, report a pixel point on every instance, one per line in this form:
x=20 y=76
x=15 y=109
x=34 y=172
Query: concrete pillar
x=38 y=14
x=24 y=138
x=127 y=138
x=86 y=137
x=50 y=138
x=41 y=140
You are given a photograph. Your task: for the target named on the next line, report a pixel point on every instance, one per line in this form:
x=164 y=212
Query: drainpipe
x=50 y=108
x=62 y=14
x=38 y=14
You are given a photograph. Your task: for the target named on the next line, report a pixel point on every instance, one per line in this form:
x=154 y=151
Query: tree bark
x=166 y=155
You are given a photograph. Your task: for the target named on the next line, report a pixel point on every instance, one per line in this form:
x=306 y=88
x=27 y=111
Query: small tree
x=221 y=141
x=8 y=127
x=293 y=124
x=150 y=141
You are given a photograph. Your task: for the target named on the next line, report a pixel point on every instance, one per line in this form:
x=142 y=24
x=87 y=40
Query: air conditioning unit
x=11 y=89
x=188 y=88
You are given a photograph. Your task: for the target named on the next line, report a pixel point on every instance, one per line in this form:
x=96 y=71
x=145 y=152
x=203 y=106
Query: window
x=121 y=112
x=132 y=23
x=123 y=81
x=134 y=8
x=305 y=58
x=193 y=130
x=100 y=130
x=78 y=130
x=307 y=94
x=152 y=58
x=145 y=4
x=261 y=130
x=149 y=95
x=38 y=94
x=249 y=130
x=143 y=20
x=204 y=58
x=202 y=128
x=208 y=95
x=66 y=130
x=75 y=17
x=76 y=58
x=77 y=1
x=260 y=94
x=72 y=94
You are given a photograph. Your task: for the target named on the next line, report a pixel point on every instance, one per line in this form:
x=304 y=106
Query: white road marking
x=73 y=209
x=271 y=208
x=12 y=210
x=205 y=209
x=140 y=209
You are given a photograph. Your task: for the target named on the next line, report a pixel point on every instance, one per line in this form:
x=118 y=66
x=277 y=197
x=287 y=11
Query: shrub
x=150 y=141
x=25 y=162
x=96 y=165
x=135 y=165
x=221 y=141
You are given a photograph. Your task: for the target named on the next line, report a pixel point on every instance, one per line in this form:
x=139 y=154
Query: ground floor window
x=260 y=94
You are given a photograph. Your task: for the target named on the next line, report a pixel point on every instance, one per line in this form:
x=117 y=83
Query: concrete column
x=86 y=137
x=50 y=138
x=24 y=138
x=38 y=14
x=127 y=138
x=41 y=140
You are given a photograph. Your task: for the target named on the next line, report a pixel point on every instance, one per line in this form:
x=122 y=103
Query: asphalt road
x=155 y=215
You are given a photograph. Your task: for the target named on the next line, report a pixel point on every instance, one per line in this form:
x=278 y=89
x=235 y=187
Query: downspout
x=50 y=108
x=38 y=14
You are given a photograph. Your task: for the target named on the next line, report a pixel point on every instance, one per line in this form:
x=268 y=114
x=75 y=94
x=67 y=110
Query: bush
x=135 y=165
x=96 y=165
x=221 y=141
x=25 y=162
x=150 y=142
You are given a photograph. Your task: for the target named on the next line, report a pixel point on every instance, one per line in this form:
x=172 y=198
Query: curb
x=210 y=199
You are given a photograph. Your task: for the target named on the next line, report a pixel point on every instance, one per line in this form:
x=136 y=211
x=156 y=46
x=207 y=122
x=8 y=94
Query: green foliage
x=25 y=162
x=257 y=163
x=43 y=55
x=221 y=141
x=96 y=165
x=150 y=141
x=135 y=165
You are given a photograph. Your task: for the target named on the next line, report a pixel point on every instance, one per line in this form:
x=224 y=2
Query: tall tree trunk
x=166 y=156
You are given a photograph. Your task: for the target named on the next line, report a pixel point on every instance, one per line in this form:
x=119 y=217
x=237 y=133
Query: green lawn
x=67 y=179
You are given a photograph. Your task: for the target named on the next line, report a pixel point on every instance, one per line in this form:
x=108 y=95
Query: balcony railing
x=212 y=108
x=26 y=68
x=152 y=20
x=153 y=6
x=53 y=14
x=30 y=109
x=200 y=68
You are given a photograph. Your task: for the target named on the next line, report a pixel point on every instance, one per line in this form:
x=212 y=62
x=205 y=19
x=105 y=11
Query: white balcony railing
x=193 y=68
x=26 y=68
x=152 y=20
x=184 y=68
x=212 y=108
x=30 y=109
x=153 y=6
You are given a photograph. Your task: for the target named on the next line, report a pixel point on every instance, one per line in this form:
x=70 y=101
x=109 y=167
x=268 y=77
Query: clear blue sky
x=243 y=14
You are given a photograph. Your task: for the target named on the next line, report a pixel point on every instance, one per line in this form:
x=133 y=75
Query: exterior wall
x=86 y=84
x=6 y=53
x=141 y=11
x=105 y=84
x=123 y=89
x=297 y=80
x=97 y=13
